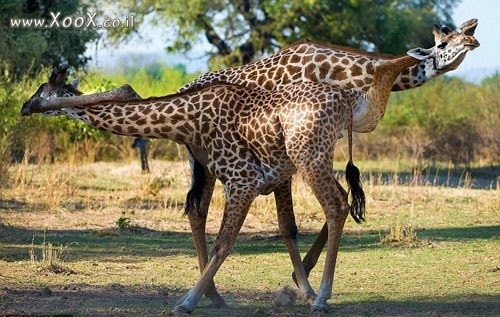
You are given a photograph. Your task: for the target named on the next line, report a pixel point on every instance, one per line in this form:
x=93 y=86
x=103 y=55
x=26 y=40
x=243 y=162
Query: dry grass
x=401 y=234
x=51 y=258
x=67 y=216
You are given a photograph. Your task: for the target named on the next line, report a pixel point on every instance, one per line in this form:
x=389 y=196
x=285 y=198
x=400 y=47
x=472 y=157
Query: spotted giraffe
x=255 y=141
x=307 y=61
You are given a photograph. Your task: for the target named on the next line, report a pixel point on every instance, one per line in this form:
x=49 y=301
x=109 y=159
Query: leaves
x=242 y=31
x=30 y=49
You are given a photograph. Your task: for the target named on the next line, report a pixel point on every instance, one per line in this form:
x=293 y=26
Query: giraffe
x=255 y=141
x=305 y=62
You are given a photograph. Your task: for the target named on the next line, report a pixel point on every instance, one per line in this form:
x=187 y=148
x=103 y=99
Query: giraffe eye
x=442 y=45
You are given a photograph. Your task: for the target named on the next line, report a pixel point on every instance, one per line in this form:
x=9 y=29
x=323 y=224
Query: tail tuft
x=357 y=208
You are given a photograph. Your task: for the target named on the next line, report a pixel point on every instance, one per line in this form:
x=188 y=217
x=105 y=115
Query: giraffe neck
x=307 y=61
x=369 y=107
x=180 y=117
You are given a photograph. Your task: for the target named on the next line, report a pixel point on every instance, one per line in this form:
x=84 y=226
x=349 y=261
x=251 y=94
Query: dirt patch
x=82 y=299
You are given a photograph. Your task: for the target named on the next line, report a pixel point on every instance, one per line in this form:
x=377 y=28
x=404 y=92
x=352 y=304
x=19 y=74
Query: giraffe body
x=259 y=126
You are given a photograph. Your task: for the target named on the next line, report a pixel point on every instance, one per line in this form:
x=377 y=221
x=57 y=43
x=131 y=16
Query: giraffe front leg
x=237 y=205
x=333 y=199
x=288 y=229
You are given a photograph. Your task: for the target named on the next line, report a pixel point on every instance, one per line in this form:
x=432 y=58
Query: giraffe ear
x=436 y=30
x=420 y=53
x=58 y=75
x=446 y=30
x=75 y=83
x=469 y=27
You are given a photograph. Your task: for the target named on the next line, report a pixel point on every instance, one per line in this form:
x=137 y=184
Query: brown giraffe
x=449 y=52
x=335 y=65
x=255 y=141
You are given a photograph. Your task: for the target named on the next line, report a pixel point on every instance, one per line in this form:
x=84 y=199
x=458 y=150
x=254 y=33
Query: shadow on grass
x=134 y=243
x=151 y=300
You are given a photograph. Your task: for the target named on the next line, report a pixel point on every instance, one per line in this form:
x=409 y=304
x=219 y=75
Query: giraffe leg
x=320 y=176
x=197 y=204
x=197 y=221
x=288 y=229
x=237 y=204
x=312 y=256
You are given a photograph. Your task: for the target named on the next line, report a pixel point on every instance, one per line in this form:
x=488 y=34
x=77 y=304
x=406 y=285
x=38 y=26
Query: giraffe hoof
x=319 y=308
x=179 y=310
x=309 y=299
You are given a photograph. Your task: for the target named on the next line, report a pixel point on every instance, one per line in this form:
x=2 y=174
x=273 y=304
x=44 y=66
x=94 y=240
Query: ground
x=104 y=239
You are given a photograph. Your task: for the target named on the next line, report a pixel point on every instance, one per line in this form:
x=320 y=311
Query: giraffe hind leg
x=320 y=178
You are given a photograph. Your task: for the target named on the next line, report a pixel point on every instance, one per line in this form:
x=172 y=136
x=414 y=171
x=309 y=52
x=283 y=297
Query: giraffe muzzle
x=32 y=106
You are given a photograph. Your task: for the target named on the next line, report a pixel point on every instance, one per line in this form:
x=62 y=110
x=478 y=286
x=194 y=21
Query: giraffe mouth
x=457 y=60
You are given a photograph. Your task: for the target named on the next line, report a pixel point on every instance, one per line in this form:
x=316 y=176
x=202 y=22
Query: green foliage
x=123 y=221
x=155 y=79
x=47 y=138
x=241 y=31
x=30 y=49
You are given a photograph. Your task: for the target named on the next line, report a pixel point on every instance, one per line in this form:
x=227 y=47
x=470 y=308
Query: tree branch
x=213 y=38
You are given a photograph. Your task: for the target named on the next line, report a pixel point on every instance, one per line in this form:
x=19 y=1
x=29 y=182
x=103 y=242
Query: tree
x=242 y=30
x=25 y=49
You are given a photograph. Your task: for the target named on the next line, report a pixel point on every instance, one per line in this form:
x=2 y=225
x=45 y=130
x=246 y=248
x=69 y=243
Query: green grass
x=450 y=270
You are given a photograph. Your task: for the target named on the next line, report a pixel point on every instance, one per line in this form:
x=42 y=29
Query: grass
x=425 y=250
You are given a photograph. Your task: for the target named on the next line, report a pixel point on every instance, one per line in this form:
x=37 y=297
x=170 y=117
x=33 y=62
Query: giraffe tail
x=194 y=196
x=357 y=208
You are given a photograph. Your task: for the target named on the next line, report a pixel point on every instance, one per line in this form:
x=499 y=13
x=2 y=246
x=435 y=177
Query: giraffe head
x=57 y=98
x=450 y=47
x=55 y=87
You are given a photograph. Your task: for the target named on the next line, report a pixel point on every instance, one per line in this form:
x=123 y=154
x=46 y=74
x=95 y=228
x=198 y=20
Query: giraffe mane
x=167 y=98
x=343 y=49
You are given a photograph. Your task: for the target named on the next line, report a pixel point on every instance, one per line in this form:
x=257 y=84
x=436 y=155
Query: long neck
x=176 y=117
x=368 y=111
x=307 y=61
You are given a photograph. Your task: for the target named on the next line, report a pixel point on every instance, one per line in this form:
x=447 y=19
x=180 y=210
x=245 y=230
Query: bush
x=447 y=120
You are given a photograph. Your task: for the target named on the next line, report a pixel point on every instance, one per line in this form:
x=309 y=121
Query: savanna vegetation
x=102 y=239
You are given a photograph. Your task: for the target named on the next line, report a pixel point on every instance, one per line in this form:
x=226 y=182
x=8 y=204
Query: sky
x=150 y=46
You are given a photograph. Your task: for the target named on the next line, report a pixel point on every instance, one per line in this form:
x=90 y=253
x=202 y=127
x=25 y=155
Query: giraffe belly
x=276 y=173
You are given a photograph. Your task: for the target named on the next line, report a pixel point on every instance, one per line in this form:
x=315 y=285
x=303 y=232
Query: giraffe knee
x=289 y=231
x=219 y=250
